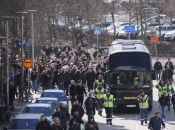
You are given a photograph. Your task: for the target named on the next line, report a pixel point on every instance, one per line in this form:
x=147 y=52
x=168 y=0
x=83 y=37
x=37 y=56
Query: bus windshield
x=129 y=60
x=131 y=80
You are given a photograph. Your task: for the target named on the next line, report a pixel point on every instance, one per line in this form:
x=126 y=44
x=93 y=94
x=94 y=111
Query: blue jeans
x=164 y=108
x=99 y=105
x=143 y=113
x=34 y=85
x=158 y=74
x=109 y=112
x=61 y=86
x=49 y=84
x=91 y=113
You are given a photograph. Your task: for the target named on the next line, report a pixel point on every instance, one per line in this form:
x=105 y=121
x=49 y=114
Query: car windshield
x=44 y=110
x=54 y=103
x=23 y=124
x=59 y=95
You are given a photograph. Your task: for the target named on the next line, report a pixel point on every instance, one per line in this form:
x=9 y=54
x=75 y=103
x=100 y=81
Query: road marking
x=136 y=126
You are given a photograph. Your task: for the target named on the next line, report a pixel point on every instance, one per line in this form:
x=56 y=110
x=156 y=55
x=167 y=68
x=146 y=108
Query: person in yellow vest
x=143 y=105
x=161 y=88
x=108 y=104
x=99 y=93
x=170 y=92
x=136 y=81
x=120 y=79
x=100 y=80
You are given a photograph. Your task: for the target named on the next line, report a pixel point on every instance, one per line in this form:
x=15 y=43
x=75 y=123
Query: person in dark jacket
x=169 y=63
x=77 y=117
x=12 y=90
x=163 y=100
x=156 y=122
x=57 y=124
x=75 y=125
x=80 y=91
x=61 y=116
x=173 y=102
x=60 y=78
x=167 y=74
x=55 y=78
x=72 y=87
x=43 y=124
x=91 y=124
x=77 y=108
x=158 y=68
x=65 y=111
x=67 y=78
x=34 y=78
x=90 y=78
x=90 y=105
x=43 y=80
x=78 y=76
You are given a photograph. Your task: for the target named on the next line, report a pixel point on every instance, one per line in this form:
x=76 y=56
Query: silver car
x=24 y=121
x=45 y=109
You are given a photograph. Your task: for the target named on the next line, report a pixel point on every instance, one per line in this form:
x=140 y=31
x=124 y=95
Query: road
x=130 y=120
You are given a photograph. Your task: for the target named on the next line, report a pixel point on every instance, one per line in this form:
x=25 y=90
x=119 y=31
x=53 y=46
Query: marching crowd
x=74 y=69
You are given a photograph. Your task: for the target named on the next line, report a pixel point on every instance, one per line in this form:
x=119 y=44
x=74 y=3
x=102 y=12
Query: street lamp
x=32 y=33
x=22 y=58
x=6 y=18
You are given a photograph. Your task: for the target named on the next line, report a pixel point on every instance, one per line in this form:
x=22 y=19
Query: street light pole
x=32 y=34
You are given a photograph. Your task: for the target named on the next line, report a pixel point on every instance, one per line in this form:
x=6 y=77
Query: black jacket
x=94 y=124
x=77 y=76
x=167 y=74
x=72 y=90
x=60 y=77
x=89 y=105
x=56 y=127
x=170 y=64
x=33 y=76
x=43 y=79
x=173 y=100
x=66 y=113
x=79 y=109
x=80 y=90
x=67 y=76
x=43 y=125
x=78 y=119
x=158 y=66
x=74 y=127
x=90 y=77
x=163 y=100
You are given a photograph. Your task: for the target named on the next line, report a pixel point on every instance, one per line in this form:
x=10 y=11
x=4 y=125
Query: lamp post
x=7 y=18
x=22 y=58
x=32 y=34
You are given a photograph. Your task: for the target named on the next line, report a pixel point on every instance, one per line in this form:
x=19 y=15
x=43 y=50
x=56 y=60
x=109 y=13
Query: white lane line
x=136 y=126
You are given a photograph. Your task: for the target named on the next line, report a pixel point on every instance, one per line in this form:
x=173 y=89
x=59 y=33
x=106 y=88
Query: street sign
x=28 y=63
x=154 y=39
x=129 y=29
x=97 y=31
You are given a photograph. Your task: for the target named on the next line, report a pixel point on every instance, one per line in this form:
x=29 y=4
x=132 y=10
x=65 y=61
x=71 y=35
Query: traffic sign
x=97 y=31
x=154 y=39
x=28 y=63
x=130 y=29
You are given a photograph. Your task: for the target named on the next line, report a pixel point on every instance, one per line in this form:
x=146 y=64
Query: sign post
x=155 y=40
x=97 y=31
x=130 y=29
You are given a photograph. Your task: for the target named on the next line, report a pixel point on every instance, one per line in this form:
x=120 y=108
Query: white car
x=163 y=19
x=170 y=36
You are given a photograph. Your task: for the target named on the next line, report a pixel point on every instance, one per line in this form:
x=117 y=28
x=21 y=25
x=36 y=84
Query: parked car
x=24 y=121
x=45 y=109
x=164 y=19
x=49 y=100
x=170 y=36
x=56 y=94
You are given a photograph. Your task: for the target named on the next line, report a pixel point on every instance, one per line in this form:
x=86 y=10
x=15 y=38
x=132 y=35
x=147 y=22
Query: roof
x=53 y=90
x=28 y=116
x=47 y=98
x=38 y=105
x=127 y=46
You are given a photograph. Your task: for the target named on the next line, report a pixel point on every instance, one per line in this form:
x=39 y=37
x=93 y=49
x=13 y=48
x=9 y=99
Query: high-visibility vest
x=136 y=80
x=108 y=102
x=98 y=82
x=118 y=80
x=162 y=89
x=100 y=93
x=169 y=88
x=144 y=104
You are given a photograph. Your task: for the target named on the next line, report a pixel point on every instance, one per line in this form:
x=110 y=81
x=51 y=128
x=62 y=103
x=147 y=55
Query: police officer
x=108 y=104
x=99 y=92
x=170 y=91
x=143 y=105
x=100 y=80
x=136 y=81
x=161 y=87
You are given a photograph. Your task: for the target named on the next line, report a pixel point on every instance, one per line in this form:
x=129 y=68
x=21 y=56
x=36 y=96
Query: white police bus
x=129 y=71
